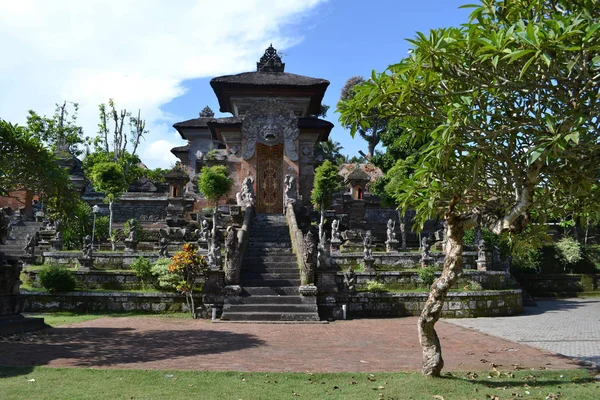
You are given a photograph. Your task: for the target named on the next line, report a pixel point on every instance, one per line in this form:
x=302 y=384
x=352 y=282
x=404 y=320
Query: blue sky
x=159 y=56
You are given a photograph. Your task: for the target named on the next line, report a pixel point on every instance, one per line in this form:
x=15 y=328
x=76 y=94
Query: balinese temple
x=271 y=133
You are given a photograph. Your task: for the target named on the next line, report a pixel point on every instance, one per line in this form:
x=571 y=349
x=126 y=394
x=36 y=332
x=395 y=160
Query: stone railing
x=298 y=245
x=232 y=277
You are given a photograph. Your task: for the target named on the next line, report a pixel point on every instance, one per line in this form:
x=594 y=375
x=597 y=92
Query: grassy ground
x=64 y=318
x=62 y=383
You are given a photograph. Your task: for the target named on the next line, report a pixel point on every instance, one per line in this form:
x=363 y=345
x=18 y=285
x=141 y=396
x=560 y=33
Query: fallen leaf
x=438 y=397
x=484 y=361
x=31 y=380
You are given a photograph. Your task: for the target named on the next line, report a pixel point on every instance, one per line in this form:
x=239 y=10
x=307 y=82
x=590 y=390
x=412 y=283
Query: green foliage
x=214 y=182
x=506 y=106
x=129 y=165
x=329 y=150
x=139 y=230
x=427 y=275
x=58 y=130
x=143 y=270
x=473 y=286
x=326 y=183
x=375 y=287
x=164 y=278
x=57 y=279
x=108 y=178
x=212 y=154
x=76 y=225
x=569 y=250
x=26 y=163
x=156 y=176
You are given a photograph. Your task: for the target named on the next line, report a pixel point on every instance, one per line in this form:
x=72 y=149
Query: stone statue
x=481 y=248
x=4 y=226
x=132 y=230
x=335 y=231
x=290 y=189
x=246 y=197
x=204 y=233
x=391 y=235
x=231 y=249
x=350 y=279
x=30 y=243
x=309 y=254
x=163 y=243
x=367 y=244
x=87 y=247
x=214 y=254
x=425 y=251
x=324 y=253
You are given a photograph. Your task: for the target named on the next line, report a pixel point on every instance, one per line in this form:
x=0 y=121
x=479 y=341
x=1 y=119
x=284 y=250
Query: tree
x=329 y=150
x=326 y=183
x=59 y=132
x=109 y=178
x=214 y=183
x=26 y=163
x=373 y=125
x=188 y=266
x=115 y=147
x=509 y=106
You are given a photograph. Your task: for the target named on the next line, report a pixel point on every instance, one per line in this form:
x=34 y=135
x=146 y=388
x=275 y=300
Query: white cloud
x=135 y=51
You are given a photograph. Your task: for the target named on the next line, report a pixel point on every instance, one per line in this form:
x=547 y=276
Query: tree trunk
x=402 y=219
x=110 y=223
x=321 y=223
x=430 y=343
x=215 y=219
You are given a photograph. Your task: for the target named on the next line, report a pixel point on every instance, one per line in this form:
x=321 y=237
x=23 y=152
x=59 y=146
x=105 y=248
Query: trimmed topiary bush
x=375 y=287
x=427 y=275
x=143 y=270
x=57 y=279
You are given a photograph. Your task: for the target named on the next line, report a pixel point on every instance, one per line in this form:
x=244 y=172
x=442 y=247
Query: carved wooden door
x=269 y=182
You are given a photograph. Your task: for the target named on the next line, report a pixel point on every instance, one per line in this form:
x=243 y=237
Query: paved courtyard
x=570 y=327
x=365 y=345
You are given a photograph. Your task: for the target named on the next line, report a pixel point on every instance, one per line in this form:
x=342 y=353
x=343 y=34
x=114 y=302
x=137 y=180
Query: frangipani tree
x=509 y=105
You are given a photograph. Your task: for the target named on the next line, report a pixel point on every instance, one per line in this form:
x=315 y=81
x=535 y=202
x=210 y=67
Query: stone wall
x=96 y=279
x=399 y=260
x=489 y=280
x=456 y=305
x=112 y=260
x=549 y=285
x=87 y=302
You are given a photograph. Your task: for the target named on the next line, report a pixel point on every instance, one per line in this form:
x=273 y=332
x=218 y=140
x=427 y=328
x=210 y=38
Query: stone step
x=270 y=316
x=270 y=291
x=271 y=270
x=264 y=245
x=270 y=275
x=251 y=260
x=267 y=299
x=271 y=308
x=260 y=252
x=269 y=282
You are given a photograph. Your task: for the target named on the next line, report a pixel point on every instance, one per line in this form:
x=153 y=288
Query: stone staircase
x=270 y=278
x=16 y=241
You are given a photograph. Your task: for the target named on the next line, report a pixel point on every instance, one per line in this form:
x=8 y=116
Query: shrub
x=375 y=287
x=568 y=251
x=57 y=279
x=427 y=275
x=473 y=286
x=164 y=278
x=143 y=270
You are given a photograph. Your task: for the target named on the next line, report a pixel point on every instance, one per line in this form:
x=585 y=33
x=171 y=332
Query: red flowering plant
x=189 y=267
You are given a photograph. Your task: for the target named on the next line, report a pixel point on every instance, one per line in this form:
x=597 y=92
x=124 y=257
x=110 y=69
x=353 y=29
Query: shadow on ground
x=549 y=305
x=104 y=347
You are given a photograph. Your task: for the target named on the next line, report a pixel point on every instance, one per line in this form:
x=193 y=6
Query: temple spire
x=270 y=61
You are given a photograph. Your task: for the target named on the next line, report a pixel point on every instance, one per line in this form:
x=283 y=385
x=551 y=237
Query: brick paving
x=570 y=327
x=365 y=345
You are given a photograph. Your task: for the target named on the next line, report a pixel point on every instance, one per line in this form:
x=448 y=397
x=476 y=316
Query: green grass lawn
x=65 y=317
x=78 y=383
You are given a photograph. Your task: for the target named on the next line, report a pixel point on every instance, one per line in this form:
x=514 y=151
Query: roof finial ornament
x=270 y=61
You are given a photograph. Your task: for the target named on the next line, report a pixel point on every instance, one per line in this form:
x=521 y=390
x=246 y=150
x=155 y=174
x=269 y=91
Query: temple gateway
x=269 y=138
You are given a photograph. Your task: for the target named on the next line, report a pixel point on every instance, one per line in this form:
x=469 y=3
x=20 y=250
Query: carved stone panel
x=270 y=122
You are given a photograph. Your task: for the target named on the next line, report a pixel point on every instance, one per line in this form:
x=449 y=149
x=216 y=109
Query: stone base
x=308 y=290
x=130 y=245
x=86 y=264
x=11 y=324
x=392 y=245
x=369 y=264
x=335 y=245
x=481 y=265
